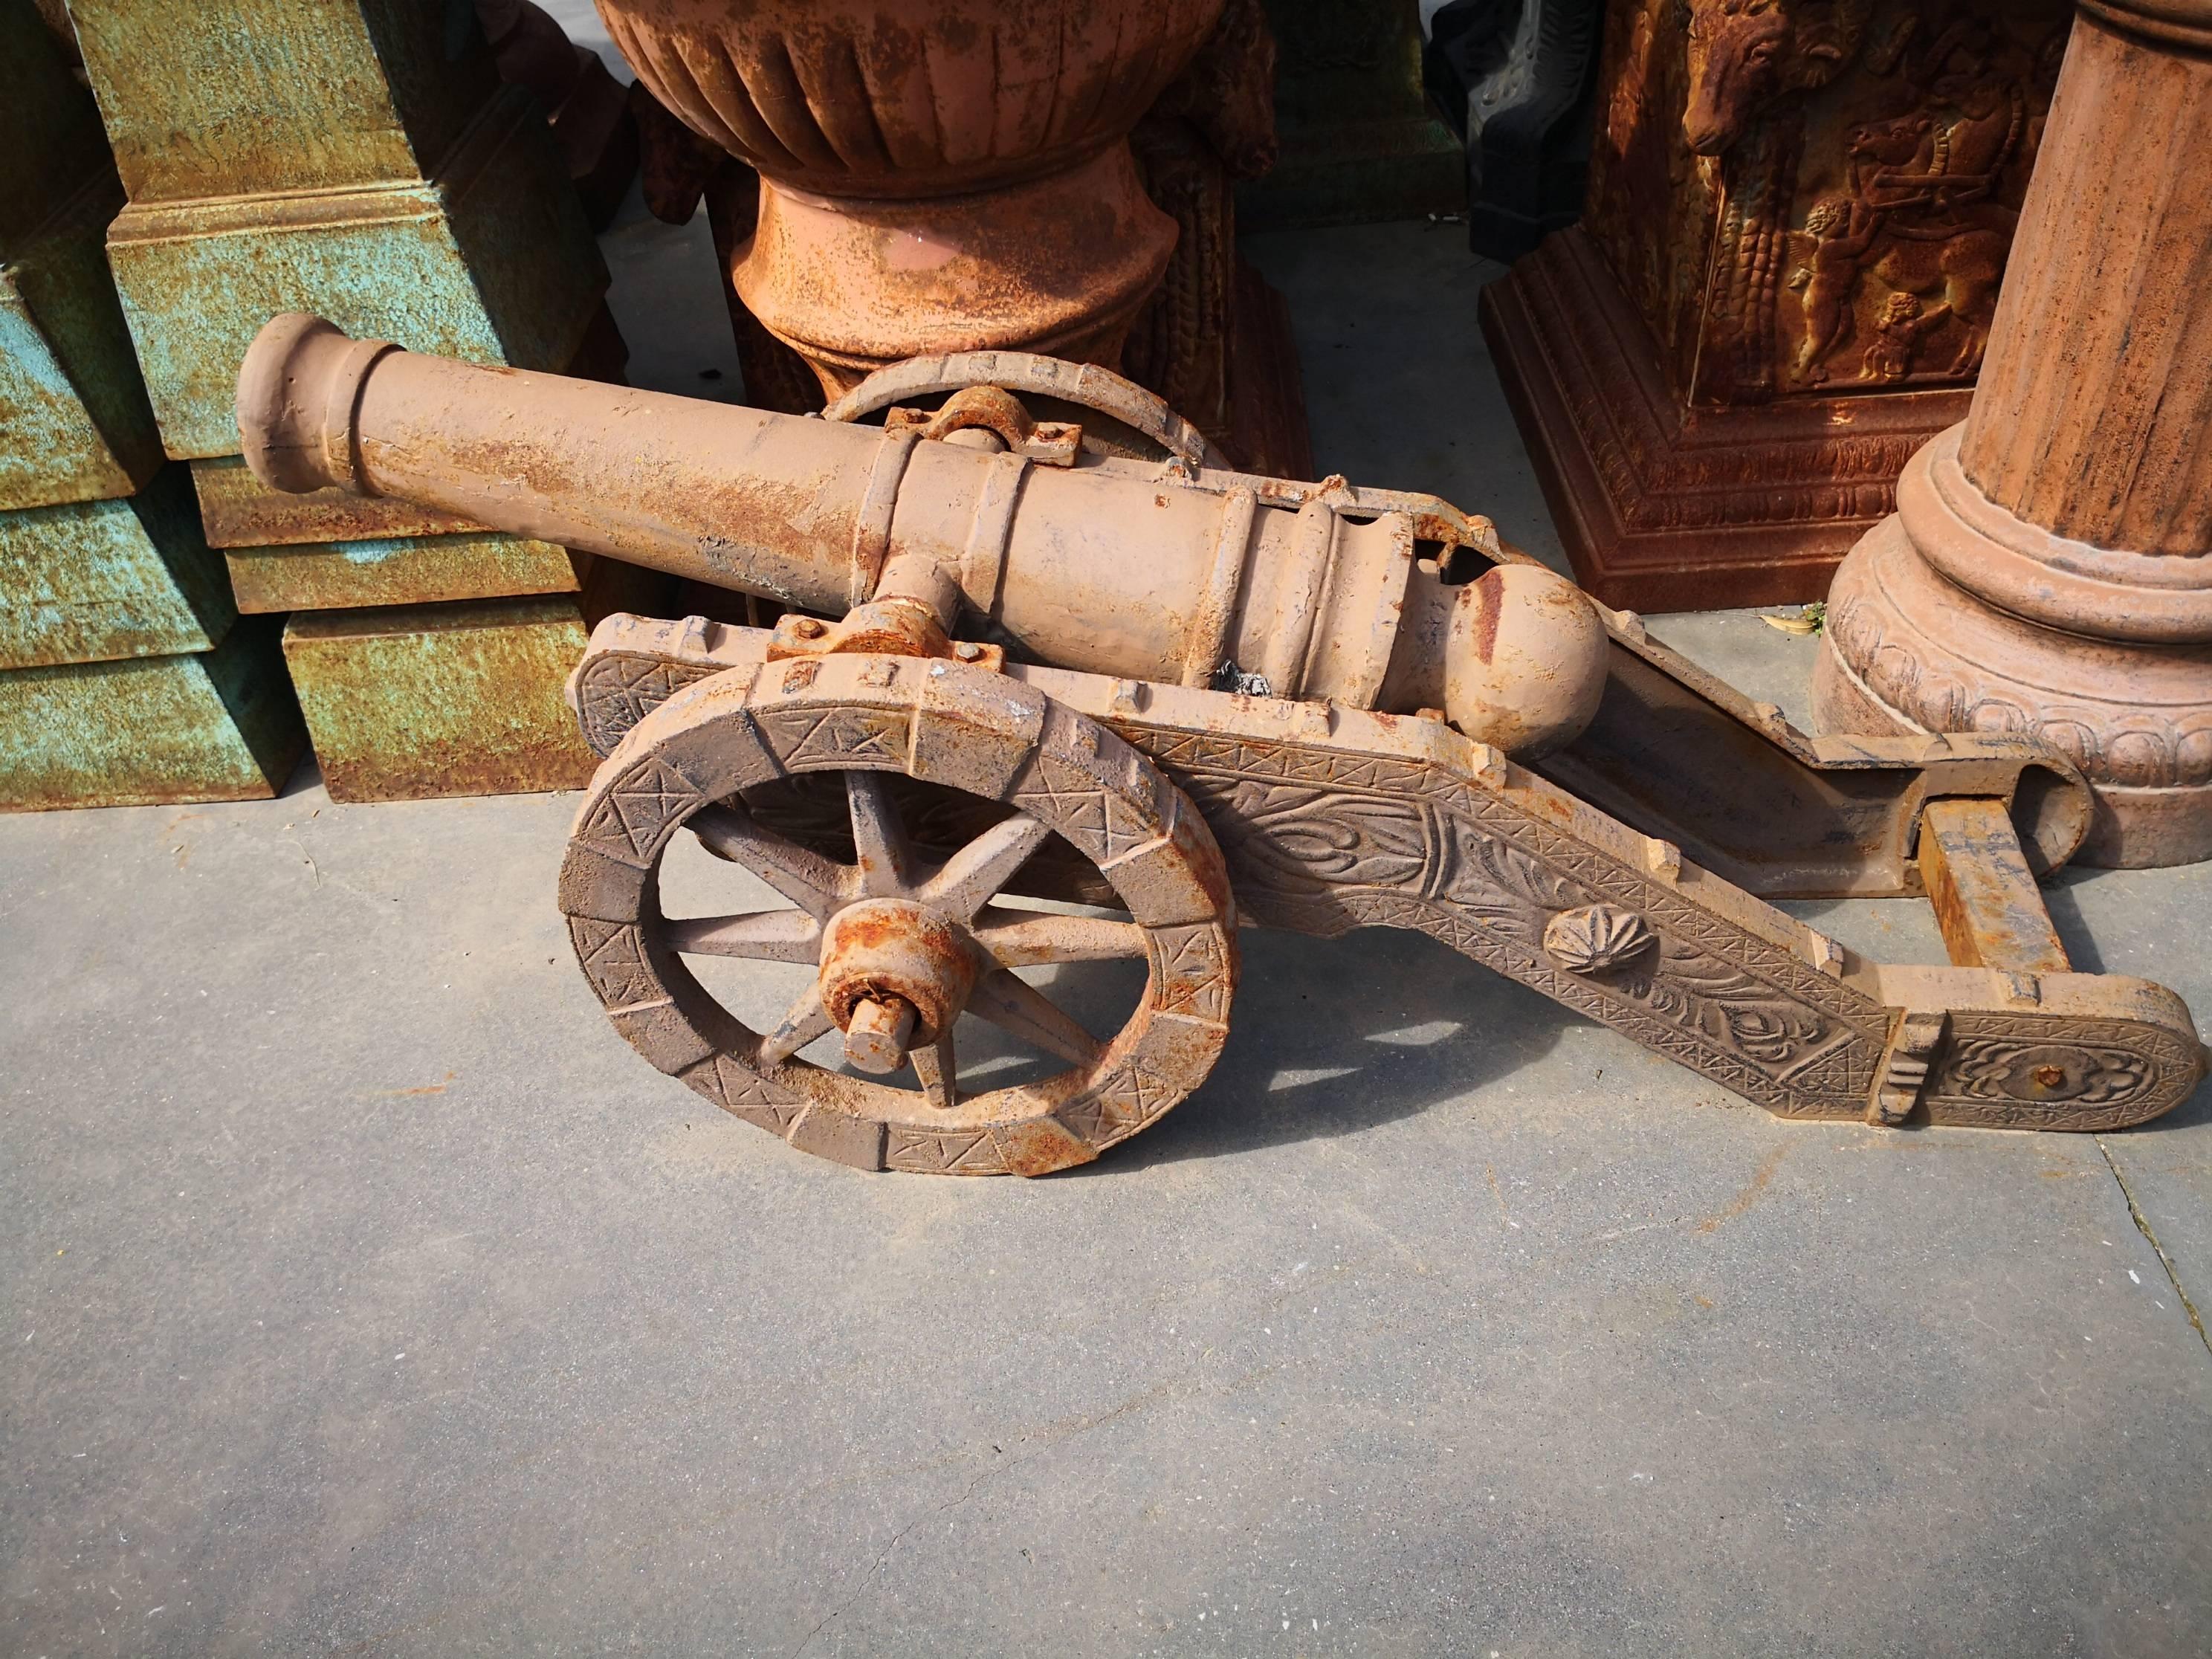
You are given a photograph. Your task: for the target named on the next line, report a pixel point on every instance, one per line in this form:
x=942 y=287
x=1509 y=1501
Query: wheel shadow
x=1329 y=1038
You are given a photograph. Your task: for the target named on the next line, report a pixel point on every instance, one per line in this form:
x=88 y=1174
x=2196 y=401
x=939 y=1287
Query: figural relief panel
x=1804 y=197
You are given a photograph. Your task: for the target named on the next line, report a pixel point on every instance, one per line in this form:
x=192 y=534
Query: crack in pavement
x=2143 y=1226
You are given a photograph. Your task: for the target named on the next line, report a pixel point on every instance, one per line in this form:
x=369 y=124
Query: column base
x=1908 y=650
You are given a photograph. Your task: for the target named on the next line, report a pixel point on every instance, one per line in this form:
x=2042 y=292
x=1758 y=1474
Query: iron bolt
x=807 y=628
x=967 y=651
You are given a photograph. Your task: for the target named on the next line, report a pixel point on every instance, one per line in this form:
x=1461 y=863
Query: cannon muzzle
x=1139 y=569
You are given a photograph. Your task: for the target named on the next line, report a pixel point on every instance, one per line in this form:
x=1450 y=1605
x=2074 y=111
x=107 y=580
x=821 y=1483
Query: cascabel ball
x=1524 y=660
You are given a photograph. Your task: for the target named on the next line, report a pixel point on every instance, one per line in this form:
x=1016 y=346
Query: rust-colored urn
x=936 y=175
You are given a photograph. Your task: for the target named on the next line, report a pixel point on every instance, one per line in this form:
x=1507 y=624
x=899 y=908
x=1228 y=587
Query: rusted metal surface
x=1366 y=755
x=1320 y=590
x=221 y=725
x=1751 y=798
x=1331 y=819
x=423 y=701
x=240 y=511
x=94 y=581
x=1983 y=892
x=890 y=926
x=405 y=570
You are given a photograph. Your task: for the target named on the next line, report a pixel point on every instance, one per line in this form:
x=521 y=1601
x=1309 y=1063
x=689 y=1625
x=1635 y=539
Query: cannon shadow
x=1331 y=1038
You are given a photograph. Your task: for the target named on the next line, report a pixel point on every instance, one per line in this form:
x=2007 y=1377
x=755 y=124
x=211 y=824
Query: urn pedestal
x=2049 y=569
x=1798 y=221
x=890 y=180
x=936 y=175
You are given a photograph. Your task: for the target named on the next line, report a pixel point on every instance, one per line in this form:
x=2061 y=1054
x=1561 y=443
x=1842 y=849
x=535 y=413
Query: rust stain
x=1761 y=1178
x=425 y=1089
x=1487 y=608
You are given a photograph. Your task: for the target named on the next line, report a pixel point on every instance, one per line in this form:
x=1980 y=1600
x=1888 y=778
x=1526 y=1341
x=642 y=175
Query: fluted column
x=2049 y=567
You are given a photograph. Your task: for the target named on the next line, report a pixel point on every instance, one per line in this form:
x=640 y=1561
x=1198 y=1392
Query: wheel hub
x=895 y=973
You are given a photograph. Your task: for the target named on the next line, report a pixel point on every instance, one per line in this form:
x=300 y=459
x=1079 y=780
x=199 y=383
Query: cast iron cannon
x=1056 y=686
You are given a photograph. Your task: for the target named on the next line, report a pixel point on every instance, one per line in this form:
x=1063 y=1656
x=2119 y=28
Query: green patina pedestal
x=125 y=676
x=361 y=161
x=1359 y=141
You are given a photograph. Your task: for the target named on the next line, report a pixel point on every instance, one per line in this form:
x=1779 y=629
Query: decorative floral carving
x=1359 y=840
x=2046 y=1070
x=1596 y=938
x=2119 y=743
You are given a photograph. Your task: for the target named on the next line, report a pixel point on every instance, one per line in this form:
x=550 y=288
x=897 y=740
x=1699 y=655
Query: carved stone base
x=1907 y=649
x=416 y=701
x=412 y=701
x=1666 y=508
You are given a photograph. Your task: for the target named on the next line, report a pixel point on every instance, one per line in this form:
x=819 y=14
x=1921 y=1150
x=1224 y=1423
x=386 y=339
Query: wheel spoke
x=934 y=1065
x=807 y=1020
x=1016 y=1006
x=1024 y=938
x=758 y=936
x=879 y=838
x=807 y=880
x=974 y=874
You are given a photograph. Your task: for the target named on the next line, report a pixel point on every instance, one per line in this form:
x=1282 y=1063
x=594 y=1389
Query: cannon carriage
x=1054 y=686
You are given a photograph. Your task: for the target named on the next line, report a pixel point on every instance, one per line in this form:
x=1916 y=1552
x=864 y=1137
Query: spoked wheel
x=902 y=942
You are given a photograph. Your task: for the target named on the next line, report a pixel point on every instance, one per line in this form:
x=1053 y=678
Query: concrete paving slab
x=367 y=1293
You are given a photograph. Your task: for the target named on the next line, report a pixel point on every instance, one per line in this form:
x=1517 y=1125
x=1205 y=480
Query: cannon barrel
x=1108 y=566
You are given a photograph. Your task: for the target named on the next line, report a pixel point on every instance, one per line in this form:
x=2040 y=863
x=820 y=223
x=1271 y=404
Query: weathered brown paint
x=241 y=512
x=218 y=725
x=406 y=570
x=1328 y=598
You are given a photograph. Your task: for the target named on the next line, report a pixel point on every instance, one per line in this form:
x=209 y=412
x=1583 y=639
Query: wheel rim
x=901 y=943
